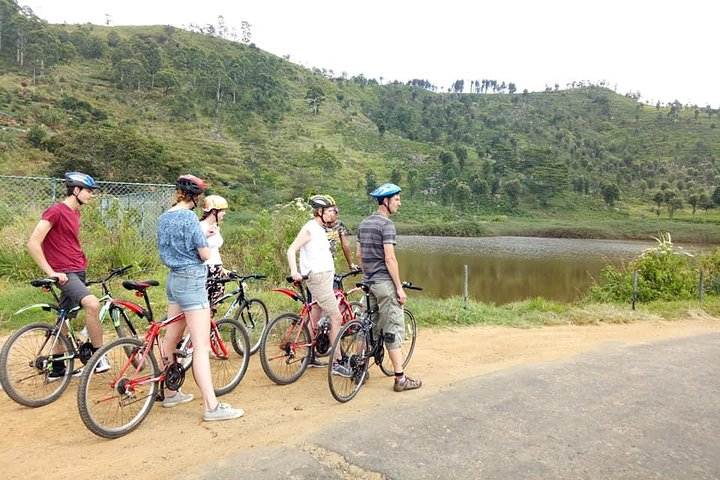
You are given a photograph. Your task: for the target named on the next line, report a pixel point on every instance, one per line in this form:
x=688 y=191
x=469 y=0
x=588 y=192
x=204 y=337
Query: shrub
x=261 y=245
x=665 y=272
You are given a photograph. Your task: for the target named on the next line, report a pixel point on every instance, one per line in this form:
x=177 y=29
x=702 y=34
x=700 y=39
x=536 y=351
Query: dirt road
x=52 y=443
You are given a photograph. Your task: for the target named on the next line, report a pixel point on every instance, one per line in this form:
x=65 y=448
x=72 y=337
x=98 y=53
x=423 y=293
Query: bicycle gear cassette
x=174 y=376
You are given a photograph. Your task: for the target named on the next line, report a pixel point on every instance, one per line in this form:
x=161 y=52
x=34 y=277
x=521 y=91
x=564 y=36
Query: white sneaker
x=222 y=412
x=103 y=365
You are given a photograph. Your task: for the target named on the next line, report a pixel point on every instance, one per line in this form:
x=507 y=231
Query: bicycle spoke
x=254 y=317
x=114 y=402
x=229 y=356
x=285 y=349
x=350 y=356
x=35 y=366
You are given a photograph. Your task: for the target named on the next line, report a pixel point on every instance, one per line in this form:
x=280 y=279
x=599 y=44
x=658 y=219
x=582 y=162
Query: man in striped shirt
x=376 y=253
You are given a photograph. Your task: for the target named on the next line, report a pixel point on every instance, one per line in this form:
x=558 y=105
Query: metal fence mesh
x=23 y=199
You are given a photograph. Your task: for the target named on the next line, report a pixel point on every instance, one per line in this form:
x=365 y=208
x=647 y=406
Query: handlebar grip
x=410 y=286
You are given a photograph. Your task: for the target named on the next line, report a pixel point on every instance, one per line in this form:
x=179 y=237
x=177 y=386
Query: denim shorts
x=186 y=287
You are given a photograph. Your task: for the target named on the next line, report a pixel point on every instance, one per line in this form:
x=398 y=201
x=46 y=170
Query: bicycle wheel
x=26 y=362
x=115 y=402
x=229 y=355
x=285 y=348
x=408 y=346
x=253 y=315
x=350 y=349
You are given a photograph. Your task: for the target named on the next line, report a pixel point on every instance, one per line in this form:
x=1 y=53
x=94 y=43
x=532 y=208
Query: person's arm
x=34 y=246
x=302 y=238
x=204 y=253
x=346 y=251
x=358 y=253
x=394 y=271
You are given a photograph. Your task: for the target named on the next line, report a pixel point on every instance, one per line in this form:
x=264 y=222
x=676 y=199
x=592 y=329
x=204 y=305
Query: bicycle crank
x=174 y=376
x=86 y=351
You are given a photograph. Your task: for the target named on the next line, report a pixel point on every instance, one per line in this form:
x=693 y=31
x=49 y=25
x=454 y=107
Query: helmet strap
x=80 y=202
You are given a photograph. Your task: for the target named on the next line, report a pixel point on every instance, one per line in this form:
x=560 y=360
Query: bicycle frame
x=238 y=293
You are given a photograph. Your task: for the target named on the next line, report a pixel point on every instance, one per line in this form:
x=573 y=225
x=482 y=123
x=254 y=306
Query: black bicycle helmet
x=190 y=184
x=322 y=201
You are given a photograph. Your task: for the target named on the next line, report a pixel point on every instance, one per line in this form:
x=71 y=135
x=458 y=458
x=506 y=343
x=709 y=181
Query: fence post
x=701 y=286
x=465 y=290
x=634 y=288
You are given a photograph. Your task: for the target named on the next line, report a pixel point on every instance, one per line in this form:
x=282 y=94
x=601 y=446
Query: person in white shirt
x=316 y=261
x=214 y=208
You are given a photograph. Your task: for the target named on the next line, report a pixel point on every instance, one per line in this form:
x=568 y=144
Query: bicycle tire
x=25 y=365
x=253 y=316
x=285 y=348
x=350 y=349
x=107 y=411
x=229 y=355
x=408 y=346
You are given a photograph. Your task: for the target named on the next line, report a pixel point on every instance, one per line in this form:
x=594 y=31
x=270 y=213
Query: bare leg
x=198 y=324
x=173 y=334
x=396 y=358
x=335 y=322
x=92 y=319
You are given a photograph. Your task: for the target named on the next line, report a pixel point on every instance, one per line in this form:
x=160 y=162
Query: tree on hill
x=315 y=97
x=110 y=153
x=610 y=192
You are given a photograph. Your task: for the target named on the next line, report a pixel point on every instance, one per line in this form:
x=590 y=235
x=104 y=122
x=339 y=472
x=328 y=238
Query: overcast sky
x=664 y=49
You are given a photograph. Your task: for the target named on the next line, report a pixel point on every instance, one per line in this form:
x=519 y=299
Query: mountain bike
x=251 y=313
x=30 y=355
x=358 y=342
x=289 y=340
x=115 y=402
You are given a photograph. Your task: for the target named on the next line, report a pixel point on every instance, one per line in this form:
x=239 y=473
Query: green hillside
x=146 y=103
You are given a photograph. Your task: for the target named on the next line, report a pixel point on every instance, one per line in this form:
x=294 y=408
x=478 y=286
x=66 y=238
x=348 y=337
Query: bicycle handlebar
x=292 y=280
x=114 y=272
x=348 y=274
x=410 y=286
x=252 y=276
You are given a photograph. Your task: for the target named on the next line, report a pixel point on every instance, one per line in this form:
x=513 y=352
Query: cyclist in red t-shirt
x=55 y=247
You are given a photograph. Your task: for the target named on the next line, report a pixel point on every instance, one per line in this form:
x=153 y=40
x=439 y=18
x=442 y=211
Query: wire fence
x=23 y=199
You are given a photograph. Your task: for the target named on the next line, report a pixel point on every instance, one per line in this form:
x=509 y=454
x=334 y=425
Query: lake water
x=506 y=269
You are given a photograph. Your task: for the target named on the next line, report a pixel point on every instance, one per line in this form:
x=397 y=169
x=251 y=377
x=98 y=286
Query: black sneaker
x=54 y=376
x=341 y=370
x=316 y=363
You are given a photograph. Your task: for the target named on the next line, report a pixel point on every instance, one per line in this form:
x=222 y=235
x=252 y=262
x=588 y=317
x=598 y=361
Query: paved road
x=649 y=411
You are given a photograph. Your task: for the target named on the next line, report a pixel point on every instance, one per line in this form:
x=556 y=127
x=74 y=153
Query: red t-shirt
x=61 y=245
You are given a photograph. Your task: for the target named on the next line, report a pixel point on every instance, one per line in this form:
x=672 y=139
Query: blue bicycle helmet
x=78 y=179
x=385 y=190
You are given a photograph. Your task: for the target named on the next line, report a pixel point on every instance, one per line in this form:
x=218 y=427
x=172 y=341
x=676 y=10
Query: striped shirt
x=373 y=233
